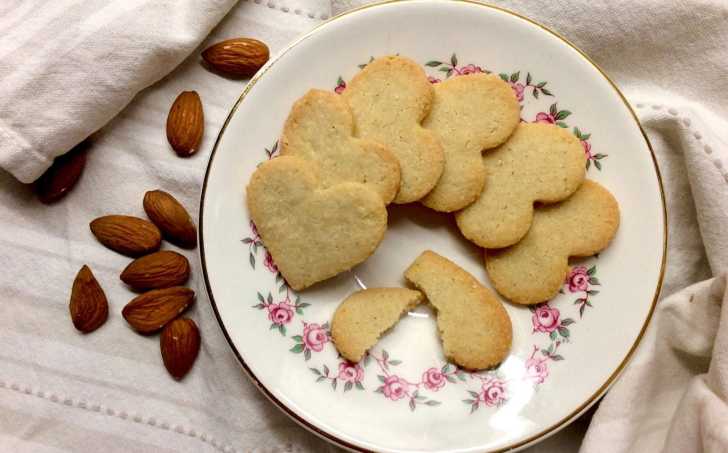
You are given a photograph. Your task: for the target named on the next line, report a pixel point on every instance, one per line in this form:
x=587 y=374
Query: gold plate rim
x=553 y=429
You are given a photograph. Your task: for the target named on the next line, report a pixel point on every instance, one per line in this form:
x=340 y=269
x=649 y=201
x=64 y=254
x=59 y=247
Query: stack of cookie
x=456 y=147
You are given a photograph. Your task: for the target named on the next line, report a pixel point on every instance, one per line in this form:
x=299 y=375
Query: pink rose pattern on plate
x=313 y=339
x=518 y=89
x=450 y=68
x=493 y=391
x=281 y=313
x=269 y=264
x=433 y=379
x=394 y=387
x=536 y=89
x=340 y=86
x=546 y=319
x=377 y=371
x=591 y=158
x=350 y=374
x=315 y=336
x=536 y=369
x=582 y=280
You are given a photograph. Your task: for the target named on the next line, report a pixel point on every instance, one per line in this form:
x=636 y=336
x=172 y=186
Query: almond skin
x=179 y=344
x=171 y=217
x=149 y=312
x=157 y=270
x=240 y=57
x=88 y=306
x=65 y=172
x=185 y=123
x=127 y=235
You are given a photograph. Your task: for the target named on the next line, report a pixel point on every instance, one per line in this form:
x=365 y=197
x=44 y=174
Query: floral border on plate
x=377 y=371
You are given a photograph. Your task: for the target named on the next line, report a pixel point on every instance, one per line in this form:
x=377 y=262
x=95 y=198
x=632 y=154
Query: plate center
x=412 y=229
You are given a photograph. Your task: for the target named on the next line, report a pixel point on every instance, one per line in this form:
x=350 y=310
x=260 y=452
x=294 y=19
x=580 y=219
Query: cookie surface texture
x=389 y=98
x=474 y=327
x=365 y=315
x=313 y=233
x=539 y=162
x=320 y=129
x=533 y=270
x=470 y=114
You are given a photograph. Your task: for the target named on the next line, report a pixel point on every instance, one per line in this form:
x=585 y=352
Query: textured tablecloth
x=61 y=391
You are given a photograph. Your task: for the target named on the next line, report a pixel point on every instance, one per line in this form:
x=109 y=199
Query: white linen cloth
x=68 y=67
x=61 y=391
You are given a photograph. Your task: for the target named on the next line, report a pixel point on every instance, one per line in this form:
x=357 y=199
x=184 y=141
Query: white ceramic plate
x=406 y=397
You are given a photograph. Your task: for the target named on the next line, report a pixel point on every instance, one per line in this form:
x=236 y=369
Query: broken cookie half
x=474 y=326
x=365 y=315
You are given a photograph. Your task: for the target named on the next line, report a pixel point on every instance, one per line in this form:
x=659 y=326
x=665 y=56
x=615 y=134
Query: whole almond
x=179 y=344
x=65 y=172
x=127 y=235
x=185 y=123
x=157 y=270
x=149 y=312
x=88 y=306
x=171 y=217
x=241 y=57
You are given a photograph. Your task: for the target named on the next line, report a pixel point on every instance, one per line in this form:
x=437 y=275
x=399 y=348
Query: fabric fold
x=70 y=67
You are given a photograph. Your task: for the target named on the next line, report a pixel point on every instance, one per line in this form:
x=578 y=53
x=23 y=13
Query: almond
x=65 y=172
x=150 y=311
x=158 y=270
x=88 y=306
x=171 y=217
x=127 y=235
x=179 y=344
x=241 y=57
x=185 y=123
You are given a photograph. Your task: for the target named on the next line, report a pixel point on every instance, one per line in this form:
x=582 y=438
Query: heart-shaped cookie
x=389 y=99
x=365 y=315
x=475 y=329
x=539 y=162
x=320 y=129
x=533 y=270
x=470 y=114
x=313 y=233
